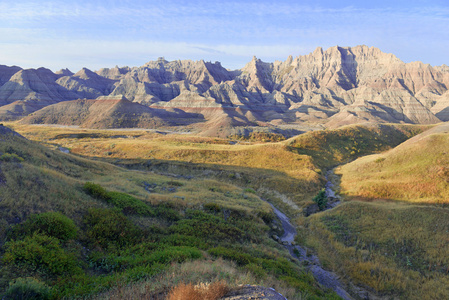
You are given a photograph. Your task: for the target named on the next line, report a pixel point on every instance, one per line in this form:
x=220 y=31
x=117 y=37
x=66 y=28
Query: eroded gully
x=326 y=278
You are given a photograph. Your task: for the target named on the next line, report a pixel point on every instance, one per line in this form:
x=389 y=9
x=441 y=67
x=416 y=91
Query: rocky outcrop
x=333 y=87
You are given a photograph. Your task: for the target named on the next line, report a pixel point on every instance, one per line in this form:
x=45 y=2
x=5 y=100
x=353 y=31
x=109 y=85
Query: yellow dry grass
x=271 y=168
x=414 y=172
x=393 y=248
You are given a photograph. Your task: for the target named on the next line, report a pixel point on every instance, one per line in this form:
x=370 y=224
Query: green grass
x=395 y=249
x=75 y=227
x=139 y=226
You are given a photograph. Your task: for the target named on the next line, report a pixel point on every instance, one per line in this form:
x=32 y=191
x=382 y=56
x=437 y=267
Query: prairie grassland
x=395 y=249
x=333 y=147
x=416 y=171
x=150 y=145
x=277 y=172
x=75 y=227
x=51 y=180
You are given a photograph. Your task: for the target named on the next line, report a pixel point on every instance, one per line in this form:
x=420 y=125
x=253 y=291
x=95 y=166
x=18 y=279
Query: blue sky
x=105 y=33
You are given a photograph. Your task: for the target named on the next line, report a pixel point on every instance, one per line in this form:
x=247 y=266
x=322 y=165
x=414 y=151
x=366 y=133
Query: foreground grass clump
x=212 y=291
x=395 y=249
x=39 y=253
x=108 y=228
x=28 y=288
x=53 y=224
x=121 y=200
x=415 y=171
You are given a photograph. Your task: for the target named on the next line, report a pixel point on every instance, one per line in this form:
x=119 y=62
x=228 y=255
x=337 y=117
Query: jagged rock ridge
x=333 y=87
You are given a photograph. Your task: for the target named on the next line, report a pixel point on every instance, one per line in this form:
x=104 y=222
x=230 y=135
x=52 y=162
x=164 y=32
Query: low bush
x=28 y=288
x=267 y=217
x=54 y=224
x=213 y=229
x=212 y=207
x=167 y=212
x=127 y=203
x=239 y=257
x=40 y=253
x=110 y=227
x=321 y=199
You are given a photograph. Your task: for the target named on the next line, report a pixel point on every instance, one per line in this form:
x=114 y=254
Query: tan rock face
x=340 y=85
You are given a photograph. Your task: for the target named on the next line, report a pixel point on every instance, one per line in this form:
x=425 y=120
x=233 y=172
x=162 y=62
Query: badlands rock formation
x=338 y=86
x=108 y=112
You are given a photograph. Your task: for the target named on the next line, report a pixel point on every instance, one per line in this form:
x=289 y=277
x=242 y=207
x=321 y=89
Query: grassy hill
x=76 y=227
x=393 y=242
x=415 y=171
x=396 y=250
x=337 y=146
x=391 y=233
x=288 y=179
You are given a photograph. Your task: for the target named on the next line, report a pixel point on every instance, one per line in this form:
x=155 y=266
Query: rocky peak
x=85 y=74
x=64 y=72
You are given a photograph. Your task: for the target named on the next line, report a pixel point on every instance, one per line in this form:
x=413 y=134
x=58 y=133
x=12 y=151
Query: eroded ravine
x=326 y=278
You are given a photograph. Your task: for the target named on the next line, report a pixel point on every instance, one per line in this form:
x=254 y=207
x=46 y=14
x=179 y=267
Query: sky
x=108 y=33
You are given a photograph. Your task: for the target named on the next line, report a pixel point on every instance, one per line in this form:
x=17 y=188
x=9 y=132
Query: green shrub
x=131 y=258
x=27 y=288
x=208 y=229
x=11 y=157
x=128 y=203
x=107 y=227
x=236 y=256
x=175 y=254
x=184 y=240
x=167 y=212
x=143 y=272
x=40 y=253
x=175 y=183
x=96 y=190
x=249 y=190
x=321 y=199
x=54 y=224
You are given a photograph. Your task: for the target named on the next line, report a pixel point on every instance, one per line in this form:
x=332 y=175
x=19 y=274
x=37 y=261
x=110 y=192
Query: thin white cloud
x=97 y=34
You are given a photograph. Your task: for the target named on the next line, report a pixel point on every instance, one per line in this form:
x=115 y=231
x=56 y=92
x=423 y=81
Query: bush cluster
x=28 y=288
x=41 y=253
x=110 y=227
x=128 y=204
x=54 y=224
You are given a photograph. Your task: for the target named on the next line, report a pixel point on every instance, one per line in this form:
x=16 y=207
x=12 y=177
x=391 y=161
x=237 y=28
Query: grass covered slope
x=395 y=241
x=337 y=146
x=415 y=171
x=73 y=227
x=271 y=167
x=397 y=250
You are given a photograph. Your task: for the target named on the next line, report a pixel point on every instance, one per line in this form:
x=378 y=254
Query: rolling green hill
x=76 y=227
